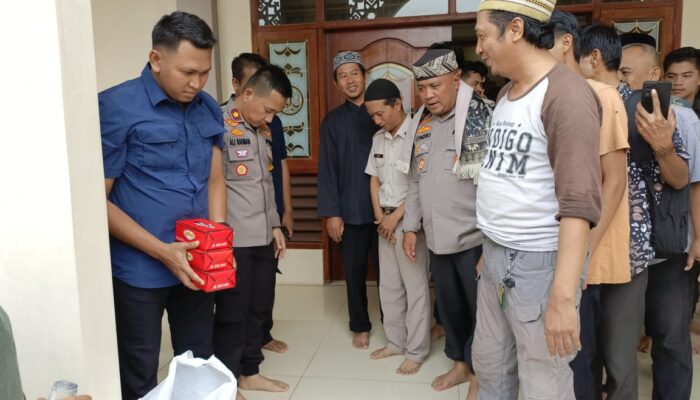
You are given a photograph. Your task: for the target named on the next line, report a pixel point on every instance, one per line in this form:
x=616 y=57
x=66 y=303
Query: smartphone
x=663 y=89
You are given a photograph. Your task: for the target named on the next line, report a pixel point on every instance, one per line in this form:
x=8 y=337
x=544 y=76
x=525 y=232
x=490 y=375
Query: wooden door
x=386 y=53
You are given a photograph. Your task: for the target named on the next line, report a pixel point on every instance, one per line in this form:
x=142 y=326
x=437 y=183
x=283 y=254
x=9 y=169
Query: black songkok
x=382 y=89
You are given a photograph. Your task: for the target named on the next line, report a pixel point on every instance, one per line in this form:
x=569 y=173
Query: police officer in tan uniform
x=252 y=213
x=449 y=141
x=403 y=287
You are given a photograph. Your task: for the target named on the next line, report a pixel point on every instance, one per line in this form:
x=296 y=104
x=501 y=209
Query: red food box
x=211 y=236
x=211 y=259
x=220 y=279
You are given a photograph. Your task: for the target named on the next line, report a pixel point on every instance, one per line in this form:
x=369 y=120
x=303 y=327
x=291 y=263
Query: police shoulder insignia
x=237 y=132
x=423 y=129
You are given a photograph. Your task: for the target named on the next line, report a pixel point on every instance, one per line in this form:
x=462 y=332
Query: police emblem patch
x=421 y=164
x=237 y=132
x=241 y=170
x=242 y=153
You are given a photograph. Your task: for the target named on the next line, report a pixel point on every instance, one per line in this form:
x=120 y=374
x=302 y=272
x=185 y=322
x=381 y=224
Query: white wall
x=55 y=280
x=122 y=32
x=235 y=36
x=690 y=30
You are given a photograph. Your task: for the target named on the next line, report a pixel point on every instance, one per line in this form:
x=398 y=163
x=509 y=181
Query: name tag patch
x=423 y=136
x=238 y=142
x=378 y=155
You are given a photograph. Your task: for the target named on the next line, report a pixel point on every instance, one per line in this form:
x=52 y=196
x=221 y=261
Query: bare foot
x=277 y=346
x=644 y=344
x=259 y=382
x=458 y=374
x=384 y=352
x=436 y=332
x=408 y=367
x=473 y=388
x=695 y=327
x=360 y=340
x=239 y=396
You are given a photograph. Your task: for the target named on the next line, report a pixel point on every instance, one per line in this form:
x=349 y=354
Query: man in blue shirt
x=161 y=145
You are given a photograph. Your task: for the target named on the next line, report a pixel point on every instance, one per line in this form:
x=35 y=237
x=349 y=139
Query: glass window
x=278 y=12
x=292 y=57
x=400 y=75
x=373 y=9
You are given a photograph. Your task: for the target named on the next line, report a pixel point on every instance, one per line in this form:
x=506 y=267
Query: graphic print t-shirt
x=542 y=163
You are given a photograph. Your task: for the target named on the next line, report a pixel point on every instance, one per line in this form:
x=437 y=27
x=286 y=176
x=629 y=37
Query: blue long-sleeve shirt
x=159 y=155
x=343 y=186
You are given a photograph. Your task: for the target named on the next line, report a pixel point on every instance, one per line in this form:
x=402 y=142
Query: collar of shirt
x=402 y=131
x=153 y=89
x=354 y=107
x=446 y=117
x=230 y=106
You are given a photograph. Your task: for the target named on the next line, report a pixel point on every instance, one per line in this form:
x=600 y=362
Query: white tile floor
x=321 y=364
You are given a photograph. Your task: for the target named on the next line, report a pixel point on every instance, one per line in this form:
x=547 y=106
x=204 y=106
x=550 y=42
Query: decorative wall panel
x=292 y=57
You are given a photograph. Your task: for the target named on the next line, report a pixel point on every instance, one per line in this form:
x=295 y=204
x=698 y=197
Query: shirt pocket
x=241 y=163
x=159 y=149
x=449 y=157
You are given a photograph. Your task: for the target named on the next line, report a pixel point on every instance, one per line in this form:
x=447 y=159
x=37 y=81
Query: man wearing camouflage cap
x=443 y=157
x=539 y=195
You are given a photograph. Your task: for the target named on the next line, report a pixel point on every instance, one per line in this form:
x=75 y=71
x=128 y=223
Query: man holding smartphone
x=667 y=306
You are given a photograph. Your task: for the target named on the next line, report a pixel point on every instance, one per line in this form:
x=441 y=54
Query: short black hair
x=362 y=69
x=268 y=78
x=605 y=39
x=476 y=66
x=246 y=60
x=449 y=45
x=565 y=23
x=173 y=28
x=537 y=33
x=690 y=54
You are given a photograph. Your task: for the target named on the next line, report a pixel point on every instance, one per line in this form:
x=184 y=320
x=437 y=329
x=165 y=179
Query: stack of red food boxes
x=212 y=260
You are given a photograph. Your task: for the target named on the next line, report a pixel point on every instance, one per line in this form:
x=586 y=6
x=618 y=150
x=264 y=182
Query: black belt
x=388 y=210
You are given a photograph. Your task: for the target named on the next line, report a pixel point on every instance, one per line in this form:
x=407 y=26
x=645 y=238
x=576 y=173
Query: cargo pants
x=509 y=350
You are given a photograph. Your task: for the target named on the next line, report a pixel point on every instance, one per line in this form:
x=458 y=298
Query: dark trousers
x=359 y=243
x=240 y=312
x=668 y=325
x=454 y=277
x=267 y=325
x=139 y=314
x=611 y=318
x=621 y=321
x=587 y=382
